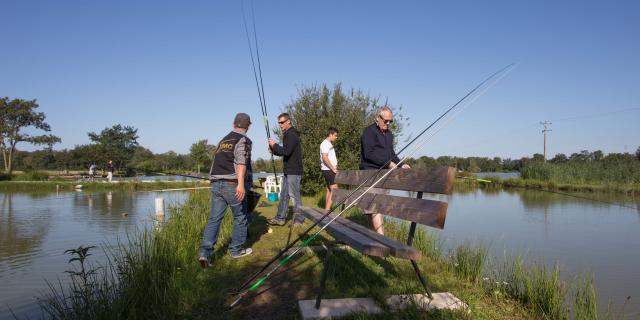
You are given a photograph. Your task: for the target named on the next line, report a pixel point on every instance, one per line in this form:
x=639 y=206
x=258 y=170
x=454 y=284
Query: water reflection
x=580 y=235
x=36 y=229
x=19 y=236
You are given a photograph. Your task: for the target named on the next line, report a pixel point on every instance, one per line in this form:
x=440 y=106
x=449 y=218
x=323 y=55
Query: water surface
x=36 y=229
x=579 y=235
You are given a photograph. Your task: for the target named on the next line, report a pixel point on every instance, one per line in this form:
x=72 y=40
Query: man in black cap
x=228 y=174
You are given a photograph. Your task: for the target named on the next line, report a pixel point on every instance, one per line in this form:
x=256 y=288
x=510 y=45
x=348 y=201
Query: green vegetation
x=319 y=107
x=596 y=172
x=201 y=153
x=15 y=116
x=156 y=275
x=603 y=187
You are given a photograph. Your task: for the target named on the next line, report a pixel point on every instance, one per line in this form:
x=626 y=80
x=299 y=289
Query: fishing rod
x=290 y=245
x=243 y=294
x=259 y=84
x=192 y=176
x=549 y=191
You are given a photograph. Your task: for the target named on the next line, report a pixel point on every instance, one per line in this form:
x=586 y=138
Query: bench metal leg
x=290 y=230
x=412 y=231
x=422 y=280
x=323 y=278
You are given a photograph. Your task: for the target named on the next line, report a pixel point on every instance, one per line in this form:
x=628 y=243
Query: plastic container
x=272 y=197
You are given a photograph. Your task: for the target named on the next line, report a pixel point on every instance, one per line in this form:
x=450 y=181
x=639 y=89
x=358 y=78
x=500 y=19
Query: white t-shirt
x=327 y=147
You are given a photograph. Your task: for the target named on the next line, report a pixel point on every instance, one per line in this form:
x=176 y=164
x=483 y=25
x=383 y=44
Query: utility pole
x=545 y=124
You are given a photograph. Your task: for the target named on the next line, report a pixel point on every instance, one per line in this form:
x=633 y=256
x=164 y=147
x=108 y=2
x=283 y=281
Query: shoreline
x=163 y=264
x=530 y=184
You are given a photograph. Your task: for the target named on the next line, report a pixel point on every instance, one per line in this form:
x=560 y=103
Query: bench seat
x=362 y=238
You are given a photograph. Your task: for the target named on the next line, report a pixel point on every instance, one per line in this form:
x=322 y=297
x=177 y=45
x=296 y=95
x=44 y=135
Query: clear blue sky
x=179 y=71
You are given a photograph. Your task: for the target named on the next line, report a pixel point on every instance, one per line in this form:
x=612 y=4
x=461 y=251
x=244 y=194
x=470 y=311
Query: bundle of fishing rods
x=251 y=284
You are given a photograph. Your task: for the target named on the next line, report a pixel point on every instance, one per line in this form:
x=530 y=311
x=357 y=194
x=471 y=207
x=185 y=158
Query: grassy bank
x=158 y=277
x=604 y=187
x=589 y=176
x=53 y=186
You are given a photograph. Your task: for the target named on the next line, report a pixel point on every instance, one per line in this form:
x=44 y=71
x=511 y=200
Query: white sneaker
x=243 y=252
x=204 y=263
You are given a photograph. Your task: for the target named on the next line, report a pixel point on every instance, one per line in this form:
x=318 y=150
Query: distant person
x=110 y=171
x=92 y=172
x=228 y=174
x=329 y=164
x=291 y=152
x=376 y=151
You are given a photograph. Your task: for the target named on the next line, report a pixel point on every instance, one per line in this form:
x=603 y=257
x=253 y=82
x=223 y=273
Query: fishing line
x=290 y=245
x=259 y=84
x=245 y=293
x=567 y=119
x=79 y=193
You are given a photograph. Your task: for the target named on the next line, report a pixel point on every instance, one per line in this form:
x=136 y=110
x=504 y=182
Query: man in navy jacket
x=376 y=151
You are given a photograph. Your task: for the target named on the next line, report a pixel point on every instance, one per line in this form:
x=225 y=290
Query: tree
x=638 y=153
x=319 y=107
x=559 y=158
x=143 y=159
x=537 y=158
x=597 y=155
x=16 y=115
x=201 y=153
x=117 y=143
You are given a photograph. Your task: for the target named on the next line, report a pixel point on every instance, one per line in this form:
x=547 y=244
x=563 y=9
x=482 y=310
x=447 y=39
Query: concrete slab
x=441 y=300
x=335 y=308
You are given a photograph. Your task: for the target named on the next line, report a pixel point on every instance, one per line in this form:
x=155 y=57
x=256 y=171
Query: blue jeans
x=223 y=195
x=290 y=189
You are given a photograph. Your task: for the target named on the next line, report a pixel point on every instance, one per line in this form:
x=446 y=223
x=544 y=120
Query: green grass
x=591 y=172
x=157 y=276
x=601 y=187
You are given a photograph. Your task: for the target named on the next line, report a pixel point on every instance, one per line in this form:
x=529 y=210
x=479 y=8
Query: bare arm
x=241 y=170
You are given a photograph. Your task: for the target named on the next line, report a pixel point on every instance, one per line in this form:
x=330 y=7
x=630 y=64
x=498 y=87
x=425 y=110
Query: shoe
x=276 y=222
x=204 y=262
x=242 y=252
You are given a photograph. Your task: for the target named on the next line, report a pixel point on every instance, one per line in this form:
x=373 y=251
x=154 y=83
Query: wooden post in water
x=160 y=206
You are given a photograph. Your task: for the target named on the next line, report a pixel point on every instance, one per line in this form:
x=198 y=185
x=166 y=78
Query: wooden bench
x=416 y=210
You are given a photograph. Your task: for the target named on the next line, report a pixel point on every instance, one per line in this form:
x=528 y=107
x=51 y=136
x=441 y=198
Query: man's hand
x=271 y=142
x=406 y=166
x=240 y=192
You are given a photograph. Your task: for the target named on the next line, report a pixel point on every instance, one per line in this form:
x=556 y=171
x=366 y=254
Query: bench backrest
x=427 y=212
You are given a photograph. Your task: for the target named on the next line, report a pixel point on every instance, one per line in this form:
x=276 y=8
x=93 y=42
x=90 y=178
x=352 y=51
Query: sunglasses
x=282 y=122
x=385 y=120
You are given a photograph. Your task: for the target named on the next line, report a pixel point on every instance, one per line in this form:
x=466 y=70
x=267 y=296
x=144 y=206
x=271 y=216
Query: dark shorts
x=329 y=177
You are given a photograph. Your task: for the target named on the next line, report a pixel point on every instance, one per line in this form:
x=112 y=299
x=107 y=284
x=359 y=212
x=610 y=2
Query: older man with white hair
x=376 y=151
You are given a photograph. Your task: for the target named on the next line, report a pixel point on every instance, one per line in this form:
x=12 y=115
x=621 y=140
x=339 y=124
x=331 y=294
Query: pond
x=36 y=229
x=579 y=235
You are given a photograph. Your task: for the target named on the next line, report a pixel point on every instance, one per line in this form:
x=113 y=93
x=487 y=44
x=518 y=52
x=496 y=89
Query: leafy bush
x=315 y=110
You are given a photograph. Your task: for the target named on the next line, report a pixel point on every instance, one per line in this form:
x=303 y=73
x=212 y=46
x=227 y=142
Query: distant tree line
x=120 y=144
x=497 y=164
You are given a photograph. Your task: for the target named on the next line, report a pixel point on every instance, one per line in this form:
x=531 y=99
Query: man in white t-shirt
x=329 y=163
